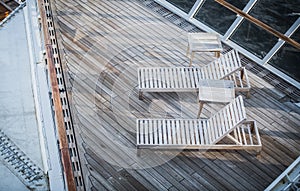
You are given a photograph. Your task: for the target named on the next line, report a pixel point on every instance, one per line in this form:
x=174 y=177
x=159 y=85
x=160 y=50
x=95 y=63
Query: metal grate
x=292 y=93
x=20 y=165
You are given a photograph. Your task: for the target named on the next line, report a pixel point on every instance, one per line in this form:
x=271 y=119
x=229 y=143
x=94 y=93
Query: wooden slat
x=138 y=134
x=151 y=133
x=151 y=79
x=239 y=136
x=195 y=126
x=234 y=113
x=180 y=78
x=201 y=132
x=164 y=128
x=184 y=78
x=146 y=132
x=159 y=77
x=159 y=127
x=169 y=132
x=142 y=132
x=219 y=125
x=182 y=128
x=167 y=78
x=206 y=130
x=155 y=132
x=187 y=133
x=174 y=135
x=223 y=122
x=191 y=129
x=250 y=134
x=214 y=128
x=178 y=131
x=163 y=75
x=175 y=78
x=244 y=136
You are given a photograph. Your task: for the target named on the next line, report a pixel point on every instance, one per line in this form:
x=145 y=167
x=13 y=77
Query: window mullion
x=280 y=42
x=238 y=20
x=195 y=8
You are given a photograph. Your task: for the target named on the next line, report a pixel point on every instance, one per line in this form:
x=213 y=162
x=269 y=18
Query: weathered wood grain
x=104 y=43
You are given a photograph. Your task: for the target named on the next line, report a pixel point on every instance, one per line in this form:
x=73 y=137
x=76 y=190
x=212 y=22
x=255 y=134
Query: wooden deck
x=102 y=42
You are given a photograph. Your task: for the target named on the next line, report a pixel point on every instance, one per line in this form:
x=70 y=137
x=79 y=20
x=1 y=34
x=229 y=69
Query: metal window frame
x=234 y=26
x=195 y=8
x=239 y=19
x=280 y=42
x=284 y=180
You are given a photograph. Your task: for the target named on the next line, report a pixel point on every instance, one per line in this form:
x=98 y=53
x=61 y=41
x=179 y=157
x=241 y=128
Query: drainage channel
x=68 y=145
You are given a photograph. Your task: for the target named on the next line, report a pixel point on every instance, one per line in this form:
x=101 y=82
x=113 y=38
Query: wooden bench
x=185 y=79
x=229 y=122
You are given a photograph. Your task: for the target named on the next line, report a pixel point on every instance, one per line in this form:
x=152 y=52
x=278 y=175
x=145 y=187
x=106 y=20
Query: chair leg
x=191 y=58
x=188 y=51
x=242 y=74
x=217 y=54
x=258 y=153
x=248 y=94
x=140 y=95
x=138 y=152
x=200 y=109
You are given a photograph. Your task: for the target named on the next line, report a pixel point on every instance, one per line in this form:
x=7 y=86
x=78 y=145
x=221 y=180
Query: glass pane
x=221 y=21
x=287 y=59
x=254 y=39
x=184 y=5
x=278 y=14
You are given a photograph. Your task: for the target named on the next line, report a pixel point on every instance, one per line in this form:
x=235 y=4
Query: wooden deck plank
x=105 y=42
x=96 y=183
x=122 y=20
x=238 y=173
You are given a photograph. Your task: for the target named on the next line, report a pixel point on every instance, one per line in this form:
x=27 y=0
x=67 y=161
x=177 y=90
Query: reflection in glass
x=279 y=14
x=287 y=59
x=218 y=17
x=184 y=5
x=254 y=39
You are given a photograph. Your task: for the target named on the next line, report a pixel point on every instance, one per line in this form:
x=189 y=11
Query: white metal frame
x=284 y=181
x=226 y=38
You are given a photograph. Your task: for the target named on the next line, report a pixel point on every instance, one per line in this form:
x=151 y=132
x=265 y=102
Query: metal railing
x=288 y=180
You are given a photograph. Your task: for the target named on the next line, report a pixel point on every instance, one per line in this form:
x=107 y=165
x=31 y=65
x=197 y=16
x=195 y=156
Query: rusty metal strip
x=259 y=23
x=63 y=143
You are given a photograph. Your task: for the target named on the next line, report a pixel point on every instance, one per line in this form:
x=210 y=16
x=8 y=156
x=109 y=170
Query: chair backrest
x=222 y=67
x=227 y=119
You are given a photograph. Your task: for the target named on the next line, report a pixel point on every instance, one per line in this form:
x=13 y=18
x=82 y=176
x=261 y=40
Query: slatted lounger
x=185 y=79
x=229 y=122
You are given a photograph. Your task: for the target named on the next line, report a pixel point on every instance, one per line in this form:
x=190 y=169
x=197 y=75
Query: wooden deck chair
x=230 y=123
x=185 y=79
